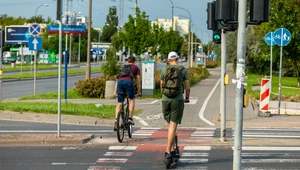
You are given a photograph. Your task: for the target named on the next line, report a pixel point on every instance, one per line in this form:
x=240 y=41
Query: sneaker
x=115 y=125
x=130 y=121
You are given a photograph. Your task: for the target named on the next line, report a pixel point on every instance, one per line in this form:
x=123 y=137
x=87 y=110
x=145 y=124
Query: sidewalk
x=152 y=107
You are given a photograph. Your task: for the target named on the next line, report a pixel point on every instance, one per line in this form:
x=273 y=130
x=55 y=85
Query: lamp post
x=190 y=47
x=45 y=5
x=78 y=59
x=172 y=15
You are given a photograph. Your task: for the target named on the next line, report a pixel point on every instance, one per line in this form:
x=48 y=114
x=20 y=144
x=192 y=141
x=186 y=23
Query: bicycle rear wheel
x=121 y=126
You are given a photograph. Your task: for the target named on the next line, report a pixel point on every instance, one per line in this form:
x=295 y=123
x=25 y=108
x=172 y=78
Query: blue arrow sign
x=269 y=39
x=282 y=37
x=35 y=43
x=35 y=29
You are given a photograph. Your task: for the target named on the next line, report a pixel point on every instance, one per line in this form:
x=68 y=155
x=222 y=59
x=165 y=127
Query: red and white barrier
x=264 y=95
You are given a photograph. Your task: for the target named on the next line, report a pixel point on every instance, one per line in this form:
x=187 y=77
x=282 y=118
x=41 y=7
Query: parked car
x=8 y=60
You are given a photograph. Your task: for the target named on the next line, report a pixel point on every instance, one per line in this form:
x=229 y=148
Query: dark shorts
x=125 y=86
x=173 y=110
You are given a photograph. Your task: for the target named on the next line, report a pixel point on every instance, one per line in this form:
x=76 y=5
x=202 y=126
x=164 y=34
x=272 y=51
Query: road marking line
x=207 y=135
x=213 y=129
x=55 y=131
x=154 y=101
x=253 y=148
x=191 y=154
x=270 y=160
x=193 y=168
x=59 y=163
x=193 y=160
x=122 y=148
x=196 y=148
x=104 y=168
x=264 y=154
x=150 y=128
x=118 y=154
x=201 y=113
x=141 y=120
x=269 y=136
x=111 y=160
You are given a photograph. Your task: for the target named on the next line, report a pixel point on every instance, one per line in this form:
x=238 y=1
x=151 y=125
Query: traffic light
x=58 y=10
x=211 y=22
x=217 y=36
x=259 y=10
x=224 y=10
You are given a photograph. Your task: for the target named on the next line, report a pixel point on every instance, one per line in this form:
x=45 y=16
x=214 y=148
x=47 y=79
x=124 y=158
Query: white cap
x=173 y=55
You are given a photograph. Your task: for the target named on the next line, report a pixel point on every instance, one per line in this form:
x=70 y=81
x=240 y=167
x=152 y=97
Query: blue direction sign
x=269 y=39
x=35 y=43
x=282 y=37
x=35 y=29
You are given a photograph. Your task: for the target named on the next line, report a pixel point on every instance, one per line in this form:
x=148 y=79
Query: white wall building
x=181 y=25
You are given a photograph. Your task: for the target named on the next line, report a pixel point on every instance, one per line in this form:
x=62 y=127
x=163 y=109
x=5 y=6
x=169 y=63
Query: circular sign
x=35 y=29
x=282 y=37
x=269 y=39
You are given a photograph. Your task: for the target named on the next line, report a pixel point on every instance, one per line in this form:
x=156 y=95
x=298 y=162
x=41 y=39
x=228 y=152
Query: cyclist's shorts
x=173 y=110
x=125 y=86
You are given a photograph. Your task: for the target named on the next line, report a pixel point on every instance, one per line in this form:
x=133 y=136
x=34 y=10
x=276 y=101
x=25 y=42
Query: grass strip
x=104 y=111
x=53 y=95
x=48 y=74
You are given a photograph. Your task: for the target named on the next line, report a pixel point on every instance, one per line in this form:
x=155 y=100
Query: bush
x=111 y=67
x=94 y=87
x=212 y=64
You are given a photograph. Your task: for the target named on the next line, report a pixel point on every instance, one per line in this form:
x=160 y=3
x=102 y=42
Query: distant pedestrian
x=173 y=79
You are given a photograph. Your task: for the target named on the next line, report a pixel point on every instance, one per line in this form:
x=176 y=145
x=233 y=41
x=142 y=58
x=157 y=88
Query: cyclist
x=125 y=84
x=172 y=108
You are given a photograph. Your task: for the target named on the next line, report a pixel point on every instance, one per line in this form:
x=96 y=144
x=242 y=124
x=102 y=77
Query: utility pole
x=1 y=72
x=172 y=15
x=135 y=11
x=223 y=89
x=240 y=75
x=88 y=59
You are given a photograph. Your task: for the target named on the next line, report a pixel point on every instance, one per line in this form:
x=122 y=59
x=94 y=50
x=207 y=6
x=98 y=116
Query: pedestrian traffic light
x=58 y=9
x=259 y=10
x=217 y=36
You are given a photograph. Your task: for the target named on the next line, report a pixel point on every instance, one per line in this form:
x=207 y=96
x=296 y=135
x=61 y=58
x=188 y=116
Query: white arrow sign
x=35 y=42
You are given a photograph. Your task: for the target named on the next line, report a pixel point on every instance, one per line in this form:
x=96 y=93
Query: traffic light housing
x=224 y=10
x=58 y=10
x=211 y=22
x=217 y=36
x=259 y=10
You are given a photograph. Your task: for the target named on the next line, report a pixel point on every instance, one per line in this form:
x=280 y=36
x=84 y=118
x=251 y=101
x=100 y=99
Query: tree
x=111 y=25
x=138 y=37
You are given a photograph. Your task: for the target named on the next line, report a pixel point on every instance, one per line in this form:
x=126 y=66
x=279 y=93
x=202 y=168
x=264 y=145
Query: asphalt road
x=110 y=157
x=16 y=89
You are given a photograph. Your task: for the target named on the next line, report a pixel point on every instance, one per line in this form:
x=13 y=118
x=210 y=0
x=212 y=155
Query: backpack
x=172 y=77
x=126 y=71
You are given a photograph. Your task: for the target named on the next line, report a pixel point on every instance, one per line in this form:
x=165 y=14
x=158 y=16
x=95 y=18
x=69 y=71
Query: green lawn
x=286 y=81
x=48 y=73
x=105 y=111
x=27 y=67
x=53 y=95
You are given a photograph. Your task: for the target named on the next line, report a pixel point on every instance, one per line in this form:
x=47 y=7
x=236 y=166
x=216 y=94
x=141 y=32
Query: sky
x=154 y=8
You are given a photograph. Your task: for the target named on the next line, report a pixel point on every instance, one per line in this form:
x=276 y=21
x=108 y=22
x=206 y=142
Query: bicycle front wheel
x=129 y=129
x=120 y=127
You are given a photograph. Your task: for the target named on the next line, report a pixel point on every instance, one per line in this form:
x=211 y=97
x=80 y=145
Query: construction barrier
x=264 y=95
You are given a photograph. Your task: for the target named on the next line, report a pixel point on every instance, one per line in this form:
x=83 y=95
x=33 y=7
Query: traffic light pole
x=240 y=75
x=223 y=89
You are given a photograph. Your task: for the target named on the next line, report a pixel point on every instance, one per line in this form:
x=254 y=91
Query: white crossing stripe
x=104 y=168
x=266 y=154
x=196 y=148
x=212 y=129
x=250 y=148
x=193 y=168
x=209 y=135
x=193 y=160
x=111 y=160
x=270 y=160
x=132 y=148
x=118 y=154
x=150 y=128
x=193 y=154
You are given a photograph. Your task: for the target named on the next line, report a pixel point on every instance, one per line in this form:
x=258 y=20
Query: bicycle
x=175 y=157
x=122 y=119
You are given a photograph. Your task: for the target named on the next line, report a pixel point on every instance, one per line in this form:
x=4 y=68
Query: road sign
x=282 y=37
x=35 y=43
x=16 y=34
x=269 y=39
x=35 y=29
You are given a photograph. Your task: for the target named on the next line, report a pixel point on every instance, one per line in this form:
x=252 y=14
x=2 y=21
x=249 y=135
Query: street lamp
x=172 y=15
x=45 y=5
x=190 y=47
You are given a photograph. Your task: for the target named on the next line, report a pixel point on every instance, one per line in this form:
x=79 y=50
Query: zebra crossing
x=271 y=132
x=270 y=158
x=194 y=146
